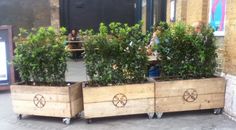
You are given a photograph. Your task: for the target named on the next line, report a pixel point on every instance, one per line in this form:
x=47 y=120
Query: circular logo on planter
x=39 y=101
x=119 y=100
x=190 y=95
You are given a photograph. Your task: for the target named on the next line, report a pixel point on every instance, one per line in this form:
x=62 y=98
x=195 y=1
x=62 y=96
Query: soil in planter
x=46 y=84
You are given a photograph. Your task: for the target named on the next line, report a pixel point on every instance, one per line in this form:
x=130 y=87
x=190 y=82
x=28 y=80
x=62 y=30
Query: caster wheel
x=79 y=115
x=89 y=121
x=217 y=111
x=159 y=115
x=150 y=115
x=66 y=121
x=76 y=116
x=19 y=117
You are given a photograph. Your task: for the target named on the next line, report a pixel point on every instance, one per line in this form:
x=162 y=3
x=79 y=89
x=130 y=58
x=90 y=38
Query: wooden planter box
x=118 y=100
x=65 y=102
x=185 y=95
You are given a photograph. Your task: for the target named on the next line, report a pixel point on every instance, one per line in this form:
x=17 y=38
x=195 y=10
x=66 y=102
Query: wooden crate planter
x=65 y=102
x=118 y=100
x=185 y=95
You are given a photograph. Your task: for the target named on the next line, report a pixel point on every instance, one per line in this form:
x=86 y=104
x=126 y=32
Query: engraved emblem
x=119 y=100
x=190 y=95
x=39 y=101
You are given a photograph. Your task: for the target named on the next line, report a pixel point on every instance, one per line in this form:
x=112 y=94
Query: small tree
x=40 y=56
x=185 y=53
x=116 y=54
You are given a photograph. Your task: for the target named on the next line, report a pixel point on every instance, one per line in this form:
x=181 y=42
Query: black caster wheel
x=89 y=121
x=77 y=116
x=19 y=117
x=217 y=111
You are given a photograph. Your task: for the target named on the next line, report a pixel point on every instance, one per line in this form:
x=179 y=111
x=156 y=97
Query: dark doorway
x=88 y=14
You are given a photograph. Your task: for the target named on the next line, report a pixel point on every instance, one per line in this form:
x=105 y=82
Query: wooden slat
x=37 y=89
x=81 y=49
x=74 y=41
x=48 y=97
x=177 y=88
x=44 y=89
x=106 y=109
x=106 y=94
x=53 y=109
x=173 y=104
x=76 y=91
x=76 y=106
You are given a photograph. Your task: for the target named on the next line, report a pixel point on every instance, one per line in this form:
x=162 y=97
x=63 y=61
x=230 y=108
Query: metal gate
x=88 y=14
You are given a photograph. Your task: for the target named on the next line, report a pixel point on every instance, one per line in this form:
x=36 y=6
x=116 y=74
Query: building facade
x=79 y=13
x=28 y=13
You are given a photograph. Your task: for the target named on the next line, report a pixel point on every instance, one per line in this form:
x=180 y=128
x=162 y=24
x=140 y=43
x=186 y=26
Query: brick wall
x=55 y=13
x=190 y=10
x=230 y=59
x=197 y=10
x=220 y=55
x=230 y=38
x=24 y=13
x=181 y=7
x=168 y=11
x=29 y=13
x=181 y=10
x=183 y=16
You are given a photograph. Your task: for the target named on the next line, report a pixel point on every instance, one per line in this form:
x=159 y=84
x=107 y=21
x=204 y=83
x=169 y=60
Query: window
x=217 y=16
x=172 y=10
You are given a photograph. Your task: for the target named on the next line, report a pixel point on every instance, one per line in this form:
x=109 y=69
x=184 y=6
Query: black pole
x=138 y=11
x=150 y=14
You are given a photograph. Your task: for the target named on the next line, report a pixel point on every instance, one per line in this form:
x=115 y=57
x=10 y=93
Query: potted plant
x=116 y=63
x=40 y=58
x=188 y=61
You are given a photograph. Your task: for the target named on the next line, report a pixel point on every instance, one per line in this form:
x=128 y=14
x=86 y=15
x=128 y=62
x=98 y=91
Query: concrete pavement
x=195 y=120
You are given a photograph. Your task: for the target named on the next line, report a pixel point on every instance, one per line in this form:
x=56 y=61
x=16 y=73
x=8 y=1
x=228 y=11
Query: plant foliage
x=116 y=54
x=40 y=56
x=185 y=53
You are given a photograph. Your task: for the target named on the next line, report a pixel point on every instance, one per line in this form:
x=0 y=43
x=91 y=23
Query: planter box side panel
x=51 y=109
x=184 y=95
x=174 y=104
x=107 y=109
x=76 y=99
x=118 y=100
x=42 y=101
x=133 y=91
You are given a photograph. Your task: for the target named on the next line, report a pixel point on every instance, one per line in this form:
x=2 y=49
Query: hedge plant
x=40 y=56
x=186 y=54
x=116 y=54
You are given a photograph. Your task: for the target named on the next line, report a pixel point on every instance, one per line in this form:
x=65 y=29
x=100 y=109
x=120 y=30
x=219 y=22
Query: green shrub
x=187 y=54
x=40 y=56
x=116 y=54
